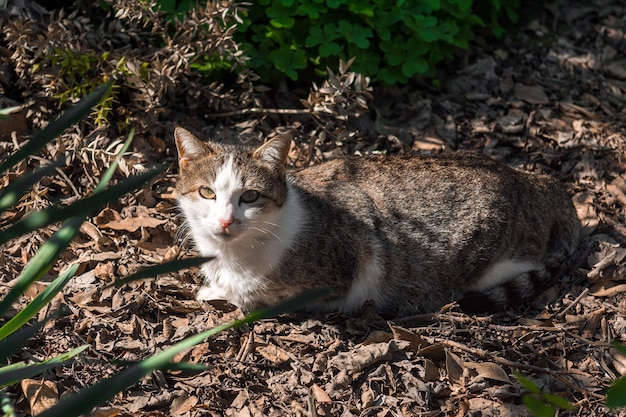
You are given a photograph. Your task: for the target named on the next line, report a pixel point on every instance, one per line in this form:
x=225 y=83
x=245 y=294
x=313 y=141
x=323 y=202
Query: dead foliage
x=549 y=99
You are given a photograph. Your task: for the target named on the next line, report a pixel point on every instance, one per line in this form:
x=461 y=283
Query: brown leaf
x=131 y=224
x=607 y=289
x=400 y=333
x=489 y=370
x=532 y=94
x=41 y=395
x=586 y=211
x=454 y=367
x=106 y=412
x=365 y=355
x=182 y=404
x=320 y=395
x=274 y=353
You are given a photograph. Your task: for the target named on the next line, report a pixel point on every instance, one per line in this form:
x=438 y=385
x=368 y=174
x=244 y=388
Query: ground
x=547 y=98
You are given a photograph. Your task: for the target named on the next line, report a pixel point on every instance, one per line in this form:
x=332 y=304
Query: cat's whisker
x=267 y=231
x=265 y=222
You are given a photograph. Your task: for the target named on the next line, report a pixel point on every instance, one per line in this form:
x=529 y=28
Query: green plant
x=78 y=74
x=391 y=40
x=15 y=331
x=616 y=395
x=539 y=403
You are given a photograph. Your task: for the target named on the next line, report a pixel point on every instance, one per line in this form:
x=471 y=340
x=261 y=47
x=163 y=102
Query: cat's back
x=420 y=179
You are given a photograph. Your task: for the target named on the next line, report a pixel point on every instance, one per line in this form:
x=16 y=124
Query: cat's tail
x=522 y=288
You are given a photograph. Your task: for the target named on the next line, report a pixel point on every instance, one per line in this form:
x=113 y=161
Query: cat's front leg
x=206 y=293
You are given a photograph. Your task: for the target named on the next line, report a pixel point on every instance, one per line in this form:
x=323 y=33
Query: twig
x=246 y=348
x=573 y=303
x=258 y=110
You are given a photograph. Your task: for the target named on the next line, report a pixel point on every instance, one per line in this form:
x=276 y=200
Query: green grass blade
x=11 y=375
x=54 y=129
x=616 y=395
x=42 y=261
x=102 y=391
x=111 y=170
x=12 y=193
x=37 y=303
x=12 y=344
x=81 y=208
x=153 y=271
x=4 y=113
x=51 y=249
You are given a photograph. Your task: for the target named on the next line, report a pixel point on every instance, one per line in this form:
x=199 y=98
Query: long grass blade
x=81 y=208
x=54 y=129
x=51 y=249
x=108 y=174
x=12 y=374
x=153 y=271
x=13 y=192
x=4 y=113
x=37 y=303
x=102 y=391
x=43 y=260
x=12 y=344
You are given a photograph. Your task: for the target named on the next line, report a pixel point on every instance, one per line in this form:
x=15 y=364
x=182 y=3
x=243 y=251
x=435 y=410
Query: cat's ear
x=274 y=151
x=189 y=147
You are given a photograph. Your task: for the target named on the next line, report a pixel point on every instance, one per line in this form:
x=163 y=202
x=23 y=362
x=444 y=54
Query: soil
x=548 y=98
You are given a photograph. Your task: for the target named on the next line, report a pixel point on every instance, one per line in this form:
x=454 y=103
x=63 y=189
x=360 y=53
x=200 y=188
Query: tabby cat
x=409 y=233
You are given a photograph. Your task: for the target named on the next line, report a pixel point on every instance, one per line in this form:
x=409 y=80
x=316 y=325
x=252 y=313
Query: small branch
x=259 y=110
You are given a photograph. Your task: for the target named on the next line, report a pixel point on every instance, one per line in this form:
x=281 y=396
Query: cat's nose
x=225 y=223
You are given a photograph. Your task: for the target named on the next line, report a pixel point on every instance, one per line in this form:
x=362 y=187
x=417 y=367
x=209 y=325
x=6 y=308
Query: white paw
x=206 y=293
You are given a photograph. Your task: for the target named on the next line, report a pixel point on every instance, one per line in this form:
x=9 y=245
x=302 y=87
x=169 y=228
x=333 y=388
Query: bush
x=391 y=40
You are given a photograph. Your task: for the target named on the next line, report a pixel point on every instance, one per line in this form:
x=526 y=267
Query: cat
x=408 y=233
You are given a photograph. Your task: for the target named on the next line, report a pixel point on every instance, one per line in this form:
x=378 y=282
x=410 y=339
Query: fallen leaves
x=556 y=109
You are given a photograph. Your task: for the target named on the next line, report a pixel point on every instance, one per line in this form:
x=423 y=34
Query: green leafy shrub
x=391 y=40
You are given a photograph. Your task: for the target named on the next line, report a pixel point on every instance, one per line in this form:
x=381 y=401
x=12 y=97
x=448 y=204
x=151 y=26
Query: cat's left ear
x=274 y=151
x=189 y=147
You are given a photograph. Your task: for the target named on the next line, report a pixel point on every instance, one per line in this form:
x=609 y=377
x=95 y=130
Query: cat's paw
x=206 y=293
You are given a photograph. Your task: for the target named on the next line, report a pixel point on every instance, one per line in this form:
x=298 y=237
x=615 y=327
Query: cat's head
x=227 y=192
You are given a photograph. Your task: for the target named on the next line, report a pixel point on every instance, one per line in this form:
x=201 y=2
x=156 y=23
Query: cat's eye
x=206 y=192
x=249 y=196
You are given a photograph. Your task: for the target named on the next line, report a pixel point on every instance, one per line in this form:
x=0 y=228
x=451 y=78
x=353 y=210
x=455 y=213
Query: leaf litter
x=549 y=99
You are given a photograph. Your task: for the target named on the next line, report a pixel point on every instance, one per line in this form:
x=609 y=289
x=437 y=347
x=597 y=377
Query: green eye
x=206 y=192
x=249 y=196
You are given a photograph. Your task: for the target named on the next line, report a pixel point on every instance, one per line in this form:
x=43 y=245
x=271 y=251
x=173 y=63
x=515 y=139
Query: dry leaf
x=454 y=368
x=400 y=333
x=41 y=394
x=274 y=353
x=531 y=94
x=489 y=370
x=183 y=404
x=607 y=288
x=320 y=395
x=365 y=355
x=586 y=211
x=106 y=412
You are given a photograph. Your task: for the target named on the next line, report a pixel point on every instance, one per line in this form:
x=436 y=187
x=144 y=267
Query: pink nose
x=225 y=223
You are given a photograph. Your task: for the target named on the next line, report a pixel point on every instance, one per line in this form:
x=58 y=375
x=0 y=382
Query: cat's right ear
x=189 y=147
